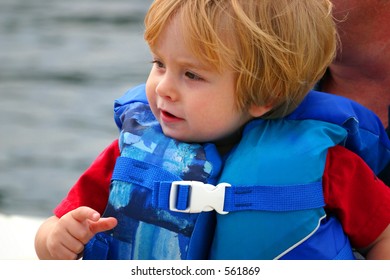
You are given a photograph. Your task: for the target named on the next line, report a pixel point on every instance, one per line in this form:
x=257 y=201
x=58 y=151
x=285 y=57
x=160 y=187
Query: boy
x=231 y=73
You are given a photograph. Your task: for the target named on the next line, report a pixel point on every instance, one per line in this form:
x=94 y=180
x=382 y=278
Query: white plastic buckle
x=202 y=197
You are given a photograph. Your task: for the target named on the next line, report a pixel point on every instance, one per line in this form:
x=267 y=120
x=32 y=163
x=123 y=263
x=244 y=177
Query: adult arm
x=380 y=248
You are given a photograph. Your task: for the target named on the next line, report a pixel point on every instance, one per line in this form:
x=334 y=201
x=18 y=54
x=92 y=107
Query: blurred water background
x=62 y=64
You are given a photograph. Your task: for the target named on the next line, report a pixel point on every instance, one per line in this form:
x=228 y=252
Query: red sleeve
x=356 y=196
x=92 y=188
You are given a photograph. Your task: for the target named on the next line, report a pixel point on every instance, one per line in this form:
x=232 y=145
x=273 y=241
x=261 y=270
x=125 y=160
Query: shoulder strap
x=366 y=135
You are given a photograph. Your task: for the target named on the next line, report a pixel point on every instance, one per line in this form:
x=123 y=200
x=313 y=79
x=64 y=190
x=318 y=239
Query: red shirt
x=362 y=203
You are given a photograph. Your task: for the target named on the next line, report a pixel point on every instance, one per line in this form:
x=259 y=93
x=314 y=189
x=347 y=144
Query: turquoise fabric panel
x=281 y=152
x=273 y=152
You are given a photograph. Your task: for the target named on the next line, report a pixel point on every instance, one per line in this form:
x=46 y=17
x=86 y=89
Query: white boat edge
x=17 y=235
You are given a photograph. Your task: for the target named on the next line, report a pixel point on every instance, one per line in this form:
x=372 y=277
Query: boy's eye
x=192 y=76
x=159 y=64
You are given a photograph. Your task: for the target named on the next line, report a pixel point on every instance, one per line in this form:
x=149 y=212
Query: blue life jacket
x=284 y=159
x=275 y=201
x=145 y=230
x=277 y=171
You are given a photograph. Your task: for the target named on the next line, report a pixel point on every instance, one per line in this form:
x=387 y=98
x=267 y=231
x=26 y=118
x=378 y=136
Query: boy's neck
x=226 y=145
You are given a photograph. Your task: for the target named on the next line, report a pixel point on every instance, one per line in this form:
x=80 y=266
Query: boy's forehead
x=174 y=40
x=173 y=29
x=209 y=40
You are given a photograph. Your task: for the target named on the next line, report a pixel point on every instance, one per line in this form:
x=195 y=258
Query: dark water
x=62 y=64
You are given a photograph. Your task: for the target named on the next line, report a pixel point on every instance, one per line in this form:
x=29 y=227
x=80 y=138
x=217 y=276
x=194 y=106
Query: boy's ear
x=257 y=111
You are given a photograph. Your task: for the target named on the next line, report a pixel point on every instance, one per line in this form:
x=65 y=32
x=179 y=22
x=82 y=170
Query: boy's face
x=192 y=102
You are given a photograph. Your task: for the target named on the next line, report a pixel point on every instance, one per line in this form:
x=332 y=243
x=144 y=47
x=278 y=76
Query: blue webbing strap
x=141 y=173
x=237 y=198
x=162 y=191
x=274 y=198
x=260 y=198
x=182 y=197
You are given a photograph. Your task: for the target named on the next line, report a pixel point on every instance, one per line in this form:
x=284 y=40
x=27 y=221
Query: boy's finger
x=85 y=213
x=103 y=224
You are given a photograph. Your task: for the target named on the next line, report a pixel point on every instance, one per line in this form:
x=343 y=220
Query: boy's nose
x=166 y=88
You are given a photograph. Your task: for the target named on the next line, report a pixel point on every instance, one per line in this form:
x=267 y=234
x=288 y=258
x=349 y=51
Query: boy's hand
x=72 y=231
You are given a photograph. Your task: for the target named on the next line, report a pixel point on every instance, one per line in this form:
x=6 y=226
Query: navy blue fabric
x=336 y=247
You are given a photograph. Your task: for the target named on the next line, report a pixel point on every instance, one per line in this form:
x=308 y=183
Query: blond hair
x=278 y=48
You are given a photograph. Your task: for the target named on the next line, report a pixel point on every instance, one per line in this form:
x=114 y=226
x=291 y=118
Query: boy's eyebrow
x=186 y=63
x=194 y=65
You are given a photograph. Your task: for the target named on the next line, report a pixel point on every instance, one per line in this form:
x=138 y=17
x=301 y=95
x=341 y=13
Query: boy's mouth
x=166 y=113
x=168 y=117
